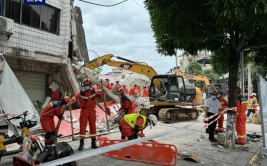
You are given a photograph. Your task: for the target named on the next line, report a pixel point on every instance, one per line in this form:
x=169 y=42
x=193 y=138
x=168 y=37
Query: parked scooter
x=21 y=139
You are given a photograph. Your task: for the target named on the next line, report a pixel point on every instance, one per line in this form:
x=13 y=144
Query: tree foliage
x=224 y=27
x=211 y=74
x=194 y=68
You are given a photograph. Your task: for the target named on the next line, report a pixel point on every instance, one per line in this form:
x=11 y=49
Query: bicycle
x=21 y=139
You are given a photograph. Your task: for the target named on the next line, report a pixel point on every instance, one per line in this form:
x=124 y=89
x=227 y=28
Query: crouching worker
x=55 y=108
x=132 y=125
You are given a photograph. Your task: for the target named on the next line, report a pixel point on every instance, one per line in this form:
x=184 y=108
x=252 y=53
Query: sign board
x=34 y=2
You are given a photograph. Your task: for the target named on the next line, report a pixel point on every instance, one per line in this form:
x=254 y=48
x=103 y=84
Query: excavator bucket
x=147 y=152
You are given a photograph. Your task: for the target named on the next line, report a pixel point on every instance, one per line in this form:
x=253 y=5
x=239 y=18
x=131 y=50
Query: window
x=13 y=10
x=31 y=15
x=1 y=7
x=43 y=17
x=50 y=19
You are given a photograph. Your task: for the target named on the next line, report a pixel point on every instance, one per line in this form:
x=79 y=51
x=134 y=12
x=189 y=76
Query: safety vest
x=131 y=120
x=250 y=104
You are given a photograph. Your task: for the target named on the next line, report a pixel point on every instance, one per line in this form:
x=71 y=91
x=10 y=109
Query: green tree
x=220 y=26
x=194 y=68
x=210 y=74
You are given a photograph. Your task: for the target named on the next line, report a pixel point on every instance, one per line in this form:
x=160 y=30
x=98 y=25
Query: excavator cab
x=167 y=88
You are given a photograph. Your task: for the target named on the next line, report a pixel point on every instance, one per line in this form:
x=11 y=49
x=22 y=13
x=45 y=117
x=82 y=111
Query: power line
x=137 y=4
x=102 y=4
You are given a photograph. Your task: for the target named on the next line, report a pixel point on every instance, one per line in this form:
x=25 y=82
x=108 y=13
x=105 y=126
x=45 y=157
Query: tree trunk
x=233 y=77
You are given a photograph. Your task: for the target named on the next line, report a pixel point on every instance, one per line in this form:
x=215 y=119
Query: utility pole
x=250 y=87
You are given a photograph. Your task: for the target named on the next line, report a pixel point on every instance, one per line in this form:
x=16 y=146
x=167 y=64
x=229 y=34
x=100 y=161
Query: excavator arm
x=125 y=64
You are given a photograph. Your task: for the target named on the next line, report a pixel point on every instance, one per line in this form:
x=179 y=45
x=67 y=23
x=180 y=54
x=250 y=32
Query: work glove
x=141 y=135
x=84 y=97
x=60 y=116
x=92 y=96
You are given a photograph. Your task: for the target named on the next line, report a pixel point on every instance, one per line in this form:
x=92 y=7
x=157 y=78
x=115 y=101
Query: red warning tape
x=219 y=113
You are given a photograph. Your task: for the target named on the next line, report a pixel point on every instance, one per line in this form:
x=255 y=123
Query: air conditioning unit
x=6 y=24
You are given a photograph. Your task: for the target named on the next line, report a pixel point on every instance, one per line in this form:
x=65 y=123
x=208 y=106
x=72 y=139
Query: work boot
x=81 y=145
x=93 y=144
x=131 y=137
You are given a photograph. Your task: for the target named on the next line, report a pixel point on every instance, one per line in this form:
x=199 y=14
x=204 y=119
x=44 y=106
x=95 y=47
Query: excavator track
x=171 y=115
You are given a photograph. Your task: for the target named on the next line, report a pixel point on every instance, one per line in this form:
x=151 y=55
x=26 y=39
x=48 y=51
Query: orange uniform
x=131 y=124
x=125 y=90
x=241 y=104
x=87 y=102
x=224 y=104
x=145 y=92
x=131 y=91
x=137 y=91
x=126 y=105
x=47 y=118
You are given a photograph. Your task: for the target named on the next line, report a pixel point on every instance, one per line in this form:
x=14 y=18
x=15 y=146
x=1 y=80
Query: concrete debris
x=202 y=137
x=189 y=157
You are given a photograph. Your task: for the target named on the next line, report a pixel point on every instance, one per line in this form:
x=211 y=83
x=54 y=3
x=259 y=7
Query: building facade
x=37 y=42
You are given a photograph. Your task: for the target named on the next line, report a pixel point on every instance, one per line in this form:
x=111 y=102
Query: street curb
x=256 y=157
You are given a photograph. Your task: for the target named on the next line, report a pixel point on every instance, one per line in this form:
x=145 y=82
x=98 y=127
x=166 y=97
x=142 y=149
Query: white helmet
x=152 y=119
x=254 y=94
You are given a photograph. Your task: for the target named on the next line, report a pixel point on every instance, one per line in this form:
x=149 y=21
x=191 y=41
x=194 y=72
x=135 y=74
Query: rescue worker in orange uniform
x=117 y=86
x=145 y=92
x=107 y=84
x=138 y=91
x=132 y=125
x=224 y=105
x=87 y=101
x=125 y=102
x=241 y=104
x=54 y=108
x=131 y=91
x=125 y=90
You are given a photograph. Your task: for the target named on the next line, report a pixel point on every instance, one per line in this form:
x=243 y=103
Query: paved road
x=189 y=137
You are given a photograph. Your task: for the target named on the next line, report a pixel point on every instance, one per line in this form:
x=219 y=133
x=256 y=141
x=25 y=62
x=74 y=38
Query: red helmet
x=87 y=81
x=121 y=91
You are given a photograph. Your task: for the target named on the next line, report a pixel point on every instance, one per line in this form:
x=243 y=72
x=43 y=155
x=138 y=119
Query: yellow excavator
x=170 y=97
x=201 y=83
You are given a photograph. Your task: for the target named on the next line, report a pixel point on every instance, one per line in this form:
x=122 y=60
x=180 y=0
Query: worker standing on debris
x=224 y=105
x=125 y=90
x=117 y=86
x=87 y=101
x=145 y=92
x=125 y=102
x=127 y=106
x=132 y=125
x=107 y=84
x=138 y=91
x=241 y=107
x=213 y=106
x=131 y=90
x=54 y=108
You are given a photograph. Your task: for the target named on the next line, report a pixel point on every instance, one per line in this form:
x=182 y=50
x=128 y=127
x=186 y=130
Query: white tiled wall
x=35 y=40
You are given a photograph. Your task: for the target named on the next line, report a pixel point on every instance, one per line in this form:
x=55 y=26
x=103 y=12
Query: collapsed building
x=40 y=43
